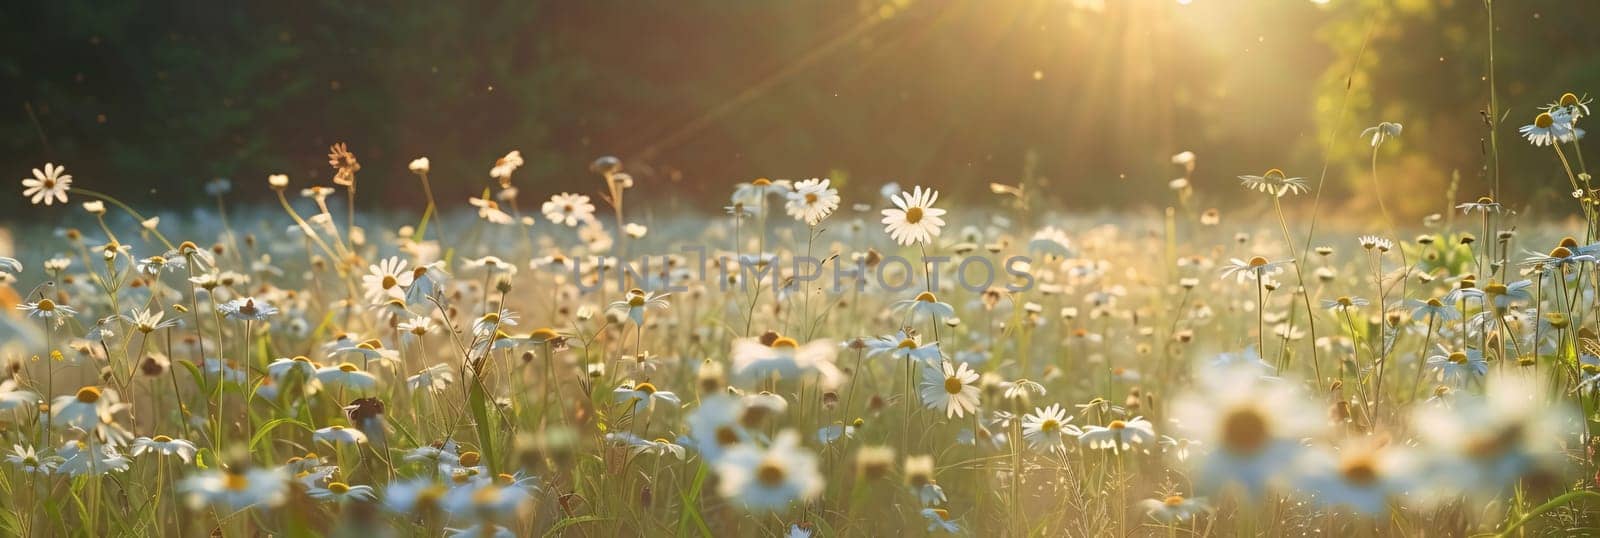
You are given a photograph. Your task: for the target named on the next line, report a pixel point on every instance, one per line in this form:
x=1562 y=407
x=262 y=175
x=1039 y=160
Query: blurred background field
x=1085 y=98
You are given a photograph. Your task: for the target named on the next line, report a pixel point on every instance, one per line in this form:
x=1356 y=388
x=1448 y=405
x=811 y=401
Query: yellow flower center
x=389 y=282
x=907 y=344
x=913 y=215
x=786 y=342
x=953 y=385
x=544 y=333
x=927 y=297
x=46 y=305
x=89 y=395
x=347 y=367
x=1258 y=261
x=1173 y=501
x=1544 y=120
x=338 y=488
x=1560 y=252
x=761 y=182
x=770 y=473
x=1435 y=303
x=1360 y=471
x=470 y=459
x=645 y=388
x=1568 y=99
x=1244 y=431
x=811 y=198
x=1117 y=425
x=726 y=436
x=1049 y=425
x=1458 y=357
x=636 y=301
x=161 y=439
x=234 y=481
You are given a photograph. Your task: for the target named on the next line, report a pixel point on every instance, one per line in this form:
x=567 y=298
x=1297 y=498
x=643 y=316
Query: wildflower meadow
x=809 y=359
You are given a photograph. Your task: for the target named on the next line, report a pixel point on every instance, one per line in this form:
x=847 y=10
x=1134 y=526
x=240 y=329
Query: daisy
x=29 y=460
x=1482 y=445
x=753 y=194
x=638 y=302
x=1275 y=183
x=1119 y=435
x=12 y=398
x=387 y=280
x=902 y=346
x=1052 y=241
x=1551 y=127
x=766 y=481
x=568 y=209
x=48 y=310
x=1048 y=428
x=434 y=378
x=489 y=210
x=1256 y=268
x=247 y=309
x=283 y=366
x=1344 y=303
x=786 y=358
x=812 y=201
x=505 y=166
x=341 y=492
x=914 y=219
x=49 y=185
x=925 y=304
x=1459 y=367
x=1174 y=508
x=1432 y=308
x=950 y=387
x=339 y=435
x=234 y=489
x=658 y=447
x=1178 y=446
x=147 y=322
x=81 y=458
x=643 y=396
x=717 y=425
x=1255 y=424
x=165 y=446
x=939 y=520
x=1365 y=478
x=1381 y=132
x=86 y=409
x=346 y=375
x=1572 y=104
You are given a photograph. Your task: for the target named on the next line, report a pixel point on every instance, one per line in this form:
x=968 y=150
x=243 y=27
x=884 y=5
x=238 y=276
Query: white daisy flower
x=568 y=209
x=340 y=492
x=247 y=309
x=812 y=201
x=637 y=302
x=1048 y=428
x=49 y=185
x=233 y=489
x=914 y=219
x=165 y=446
x=46 y=309
x=339 y=435
x=1119 y=435
x=950 y=387
x=29 y=460
x=80 y=458
x=1174 y=508
x=86 y=409
x=346 y=375
x=766 y=481
x=387 y=280
x=643 y=396
x=786 y=358
x=434 y=378
x=1255 y=426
